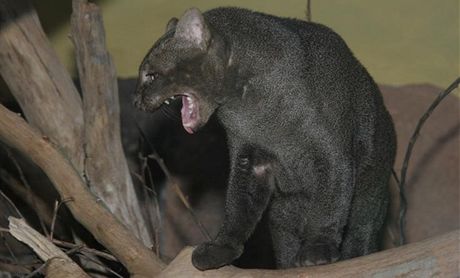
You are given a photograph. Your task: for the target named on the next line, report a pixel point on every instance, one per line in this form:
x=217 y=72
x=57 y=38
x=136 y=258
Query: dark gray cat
x=310 y=141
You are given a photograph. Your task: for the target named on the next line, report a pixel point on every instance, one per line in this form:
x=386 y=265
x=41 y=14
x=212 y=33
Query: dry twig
x=57 y=205
x=155 y=156
x=153 y=209
x=413 y=139
x=44 y=248
x=8 y=200
x=308 y=10
x=84 y=249
x=106 y=169
x=39 y=207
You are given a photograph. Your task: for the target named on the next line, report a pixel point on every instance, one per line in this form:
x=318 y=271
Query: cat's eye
x=152 y=76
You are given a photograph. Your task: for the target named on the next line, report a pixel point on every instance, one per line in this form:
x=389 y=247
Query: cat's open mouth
x=194 y=112
x=190 y=111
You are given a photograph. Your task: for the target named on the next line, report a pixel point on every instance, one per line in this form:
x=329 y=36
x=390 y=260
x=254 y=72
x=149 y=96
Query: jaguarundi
x=311 y=143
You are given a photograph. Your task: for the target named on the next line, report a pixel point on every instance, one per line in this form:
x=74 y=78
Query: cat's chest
x=243 y=120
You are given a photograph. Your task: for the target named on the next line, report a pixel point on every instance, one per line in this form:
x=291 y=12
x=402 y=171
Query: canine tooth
x=167 y=102
x=172 y=97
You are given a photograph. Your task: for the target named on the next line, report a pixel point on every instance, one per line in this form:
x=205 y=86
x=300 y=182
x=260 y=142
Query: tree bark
x=106 y=168
x=38 y=80
x=46 y=250
x=139 y=260
x=58 y=267
x=437 y=256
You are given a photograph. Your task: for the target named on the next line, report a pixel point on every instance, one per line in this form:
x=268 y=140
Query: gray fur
x=310 y=141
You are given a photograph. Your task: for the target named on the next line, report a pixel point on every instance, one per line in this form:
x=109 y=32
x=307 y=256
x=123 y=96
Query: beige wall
x=399 y=41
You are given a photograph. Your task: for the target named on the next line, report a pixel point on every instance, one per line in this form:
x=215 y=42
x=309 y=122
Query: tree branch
x=106 y=168
x=139 y=260
x=58 y=267
x=37 y=204
x=410 y=146
x=45 y=249
x=38 y=80
x=433 y=257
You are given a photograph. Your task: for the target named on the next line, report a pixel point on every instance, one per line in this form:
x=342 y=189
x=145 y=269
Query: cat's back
x=239 y=22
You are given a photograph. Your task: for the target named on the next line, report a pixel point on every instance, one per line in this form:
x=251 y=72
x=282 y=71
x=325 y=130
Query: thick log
x=38 y=80
x=437 y=256
x=139 y=260
x=106 y=168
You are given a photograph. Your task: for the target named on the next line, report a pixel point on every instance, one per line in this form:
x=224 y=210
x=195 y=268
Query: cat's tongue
x=189 y=113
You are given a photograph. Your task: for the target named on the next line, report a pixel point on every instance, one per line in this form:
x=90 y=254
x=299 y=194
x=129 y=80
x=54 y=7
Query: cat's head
x=186 y=64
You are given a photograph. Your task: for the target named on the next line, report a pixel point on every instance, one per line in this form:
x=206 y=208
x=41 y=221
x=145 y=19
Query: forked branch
x=139 y=260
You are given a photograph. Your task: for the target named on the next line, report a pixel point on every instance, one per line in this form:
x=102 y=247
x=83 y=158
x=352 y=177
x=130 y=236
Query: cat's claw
x=317 y=254
x=210 y=255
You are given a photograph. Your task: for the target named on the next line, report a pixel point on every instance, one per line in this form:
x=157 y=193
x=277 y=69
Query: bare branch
x=180 y=194
x=99 y=264
x=308 y=10
x=413 y=139
x=151 y=206
x=83 y=249
x=8 y=200
x=106 y=168
x=138 y=259
x=38 y=80
x=59 y=267
x=44 y=248
x=57 y=205
x=433 y=257
x=25 y=192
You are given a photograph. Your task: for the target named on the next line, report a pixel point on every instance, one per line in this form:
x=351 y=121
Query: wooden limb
x=45 y=249
x=58 y=267
x=139 y=260
x=175 y=184
x=85 y=250
x=106 y=167
x=436 y=256
x=38 y=80
x=410 y=146
x=308 y=11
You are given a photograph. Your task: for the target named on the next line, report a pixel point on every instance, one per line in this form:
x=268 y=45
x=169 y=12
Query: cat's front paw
x=210 y=255
x=317 y=254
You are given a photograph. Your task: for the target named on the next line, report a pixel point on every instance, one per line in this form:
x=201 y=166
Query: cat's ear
x=193 y=29
x=171 y=24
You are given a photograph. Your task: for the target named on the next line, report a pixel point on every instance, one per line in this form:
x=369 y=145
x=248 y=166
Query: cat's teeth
x=167 y=102
x=172 y=97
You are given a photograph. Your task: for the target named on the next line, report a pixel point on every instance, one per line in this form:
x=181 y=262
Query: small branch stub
x=56 y=260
